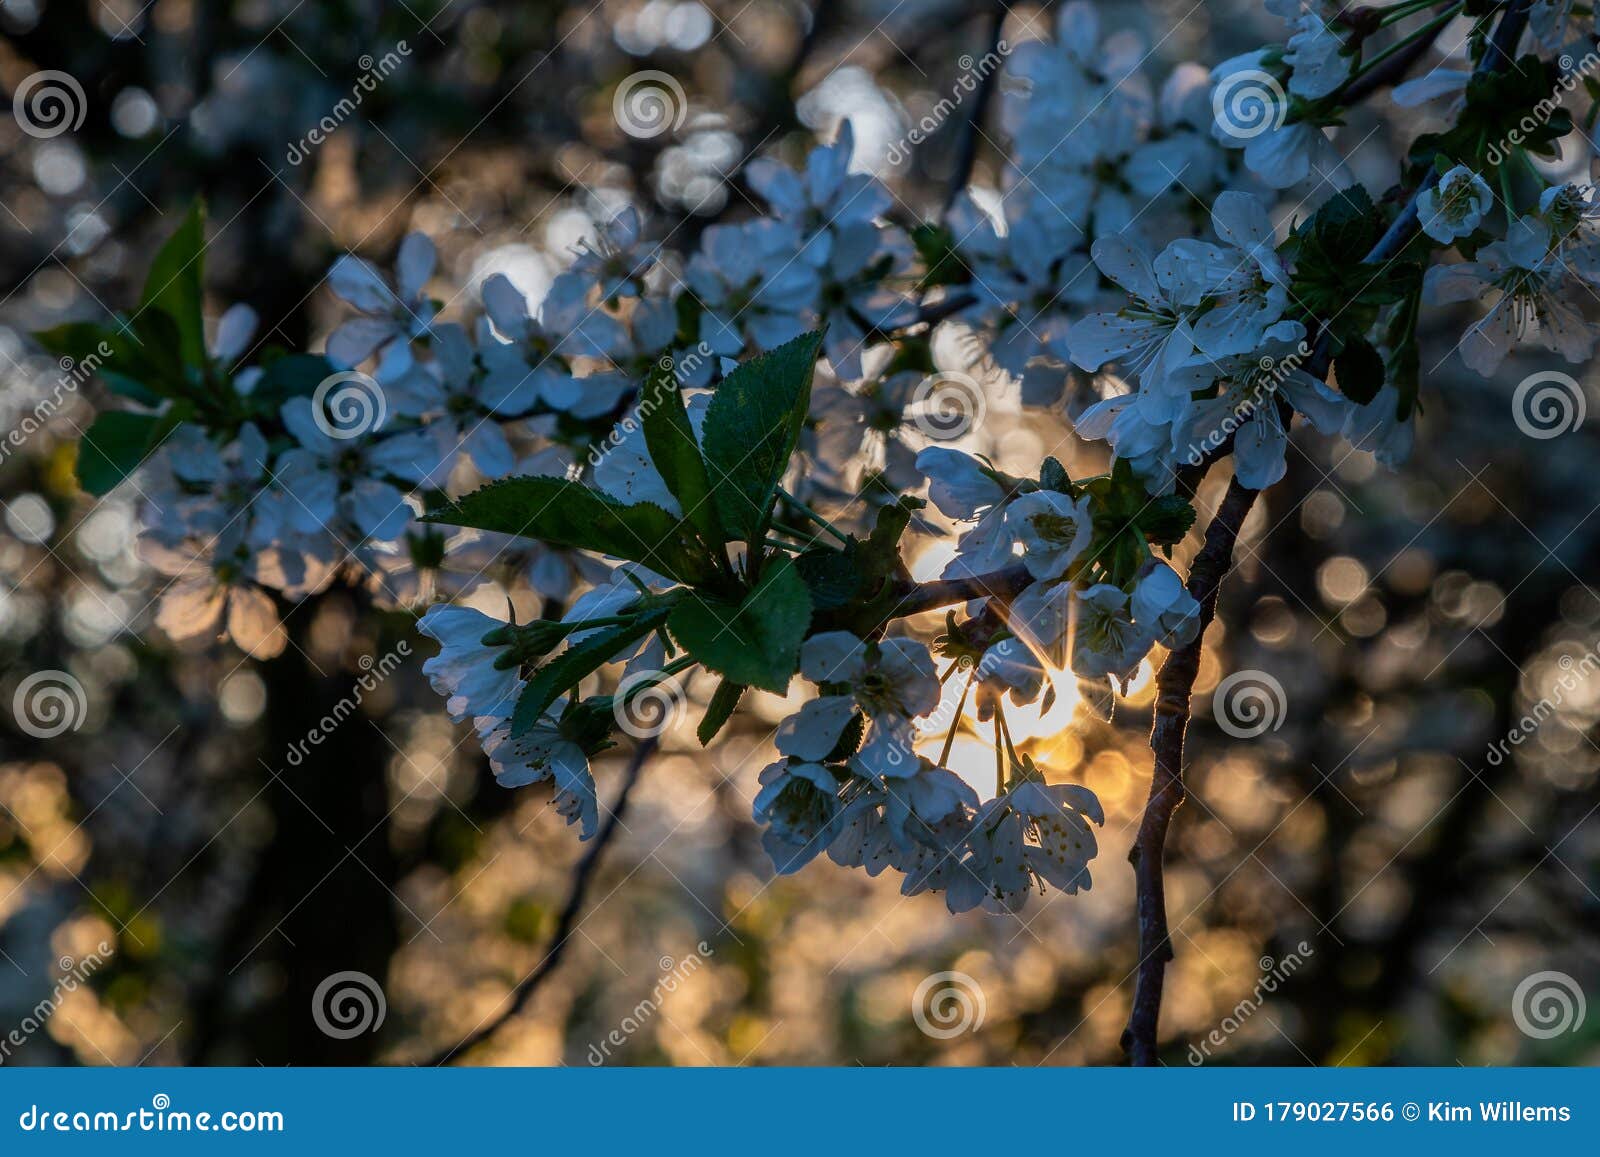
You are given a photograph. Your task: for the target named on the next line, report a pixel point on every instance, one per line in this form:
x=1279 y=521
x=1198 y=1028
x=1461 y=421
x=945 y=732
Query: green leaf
x=669 y=437
x=174 y=284
x=723 y=701
x=1513 y=106
x=289 y=376
x=852 y=585
x=832 y=576
x=82 y=341
x=1347 y=226
x=114 y=446
x=1358 y=369
x=1165 y=520
x=1404 y=367
x=849 y=739
x=565 y=513
x=751 y=429
x=563 y=673
x=757 y=641
x=161 y=344
x=936 y=246
x=880 y=554
x=111 y=353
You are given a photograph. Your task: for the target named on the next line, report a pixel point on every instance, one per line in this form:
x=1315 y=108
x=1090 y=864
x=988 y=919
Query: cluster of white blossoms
x=653 y=525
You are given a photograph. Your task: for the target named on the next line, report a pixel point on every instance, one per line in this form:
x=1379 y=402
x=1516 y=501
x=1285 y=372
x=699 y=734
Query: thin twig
x=1174 y=687
x=972 y=127
x=582 y=875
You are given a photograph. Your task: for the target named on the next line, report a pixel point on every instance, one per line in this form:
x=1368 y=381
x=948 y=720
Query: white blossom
x=1455 y=206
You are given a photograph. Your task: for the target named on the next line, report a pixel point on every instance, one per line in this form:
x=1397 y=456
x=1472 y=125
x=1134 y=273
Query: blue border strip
x=800 y=1111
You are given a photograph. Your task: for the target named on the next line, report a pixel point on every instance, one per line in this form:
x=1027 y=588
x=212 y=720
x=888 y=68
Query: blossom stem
x=806 y=538
x=1525 y=160
x=999 y=758
x=1423 y=35
x=812 y=515
x=955 y=723
x=1005 y=729
x=650 y=679
x=1401 y=11
x=1507 y=197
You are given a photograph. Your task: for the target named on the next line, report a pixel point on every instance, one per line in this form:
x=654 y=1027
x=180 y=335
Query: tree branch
x=582 y=875
x=1007 y=583
x=1175 y=682
x=1174 y=687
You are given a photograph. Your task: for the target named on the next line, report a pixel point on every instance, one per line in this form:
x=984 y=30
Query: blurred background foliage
x=1412 y=618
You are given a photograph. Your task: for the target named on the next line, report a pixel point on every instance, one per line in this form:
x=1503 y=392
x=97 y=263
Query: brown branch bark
x=1174 y=686
x=566 y=924
x=1007 y=583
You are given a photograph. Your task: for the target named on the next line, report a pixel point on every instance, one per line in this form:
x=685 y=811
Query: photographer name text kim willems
x=1443 y=1112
